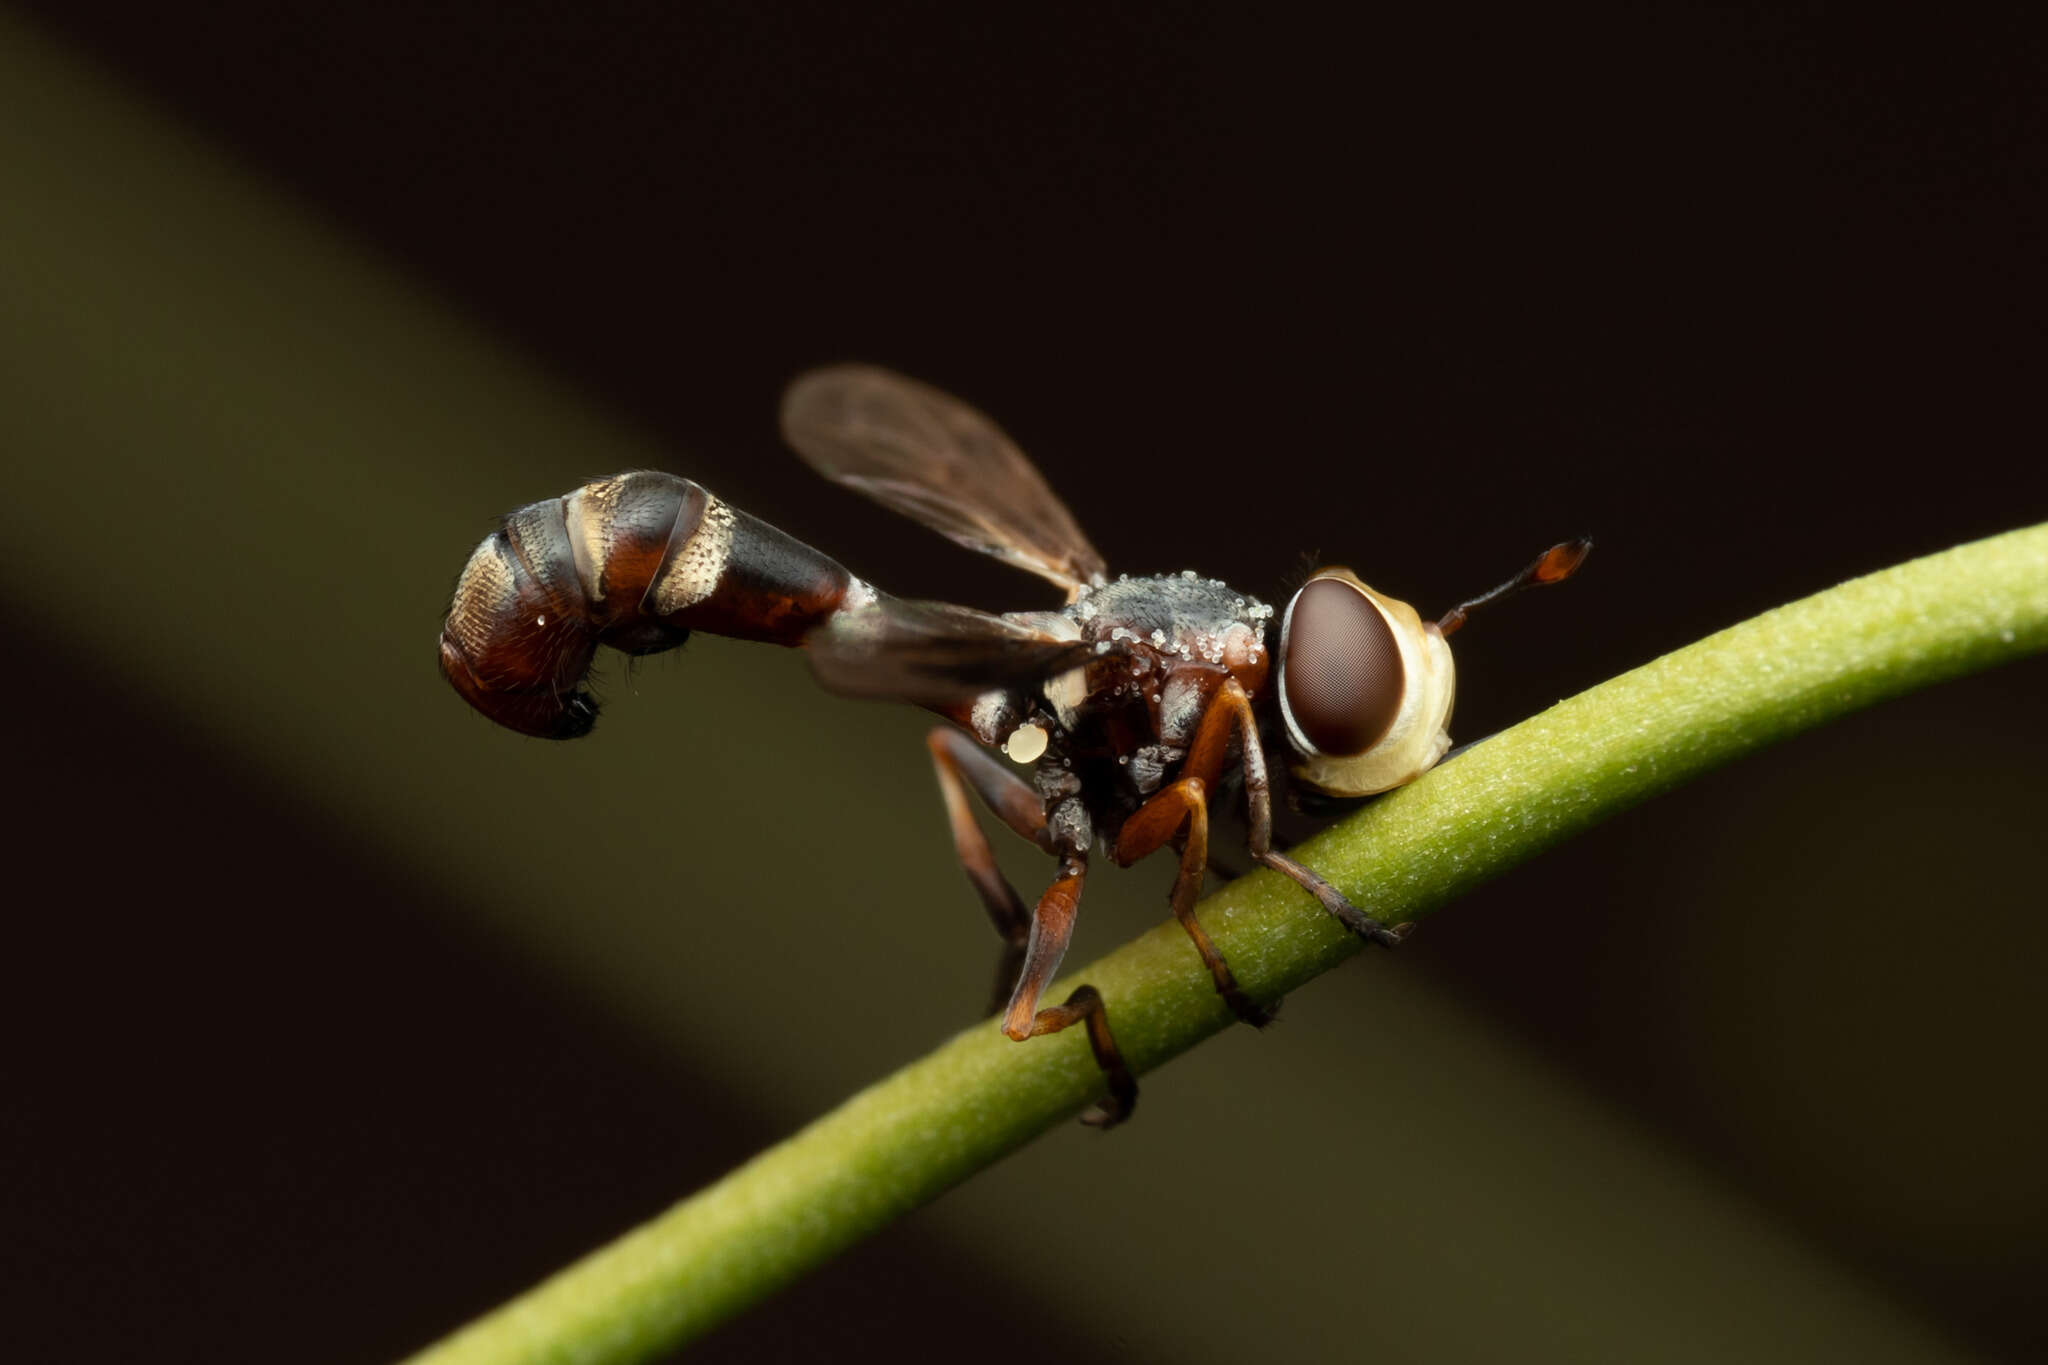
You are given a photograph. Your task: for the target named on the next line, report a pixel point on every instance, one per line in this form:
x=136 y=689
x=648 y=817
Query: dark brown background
x=340 y=1016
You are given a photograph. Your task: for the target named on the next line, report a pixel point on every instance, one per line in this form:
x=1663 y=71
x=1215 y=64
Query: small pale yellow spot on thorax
x=1026 y=744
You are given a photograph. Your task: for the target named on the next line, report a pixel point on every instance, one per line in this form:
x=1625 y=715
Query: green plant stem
x=910 y=1137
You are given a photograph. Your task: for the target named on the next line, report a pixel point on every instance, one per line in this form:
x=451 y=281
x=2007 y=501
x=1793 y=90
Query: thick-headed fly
x=1122 y=710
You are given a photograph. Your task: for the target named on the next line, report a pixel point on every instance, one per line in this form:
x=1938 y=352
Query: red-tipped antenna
x=1554 y=565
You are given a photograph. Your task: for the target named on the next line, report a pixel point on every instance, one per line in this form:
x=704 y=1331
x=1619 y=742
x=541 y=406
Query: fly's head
x=1365 y=687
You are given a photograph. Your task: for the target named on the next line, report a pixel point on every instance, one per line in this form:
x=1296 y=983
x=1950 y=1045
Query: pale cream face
x=1369 y=705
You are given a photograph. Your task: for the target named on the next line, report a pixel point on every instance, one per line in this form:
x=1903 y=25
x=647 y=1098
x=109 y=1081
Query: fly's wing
x=932 y=457
x=934 y=653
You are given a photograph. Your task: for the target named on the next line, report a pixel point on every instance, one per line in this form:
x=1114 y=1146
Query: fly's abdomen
x=637 y=562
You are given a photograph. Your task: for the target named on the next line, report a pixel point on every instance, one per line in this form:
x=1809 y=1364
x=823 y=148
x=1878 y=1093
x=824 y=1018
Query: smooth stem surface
x=907 y=1139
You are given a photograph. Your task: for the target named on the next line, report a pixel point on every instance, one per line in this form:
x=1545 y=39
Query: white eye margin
x=1415 y=736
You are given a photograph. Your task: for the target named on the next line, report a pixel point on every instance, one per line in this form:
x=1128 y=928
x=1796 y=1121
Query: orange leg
x=1086 y=1005
x=1182 y=809
x=962 y=764
x=1035 y=941
x=1232 y=709
x=1052 y=928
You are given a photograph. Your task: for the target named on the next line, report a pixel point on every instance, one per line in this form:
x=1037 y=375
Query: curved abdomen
x=636 y=561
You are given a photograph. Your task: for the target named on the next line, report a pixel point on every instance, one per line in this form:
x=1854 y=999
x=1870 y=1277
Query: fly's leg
x=1334 y=901
x=1182 y=809
x=1034 y=941
x=1052 y=928
x=1231 y=710
x=1085 y=1006
x=963 y=765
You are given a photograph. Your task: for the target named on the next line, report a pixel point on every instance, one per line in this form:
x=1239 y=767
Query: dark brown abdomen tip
x=541 y=713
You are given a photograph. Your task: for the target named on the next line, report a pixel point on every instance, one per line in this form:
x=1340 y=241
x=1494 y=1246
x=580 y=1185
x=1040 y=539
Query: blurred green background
x=337 y=1016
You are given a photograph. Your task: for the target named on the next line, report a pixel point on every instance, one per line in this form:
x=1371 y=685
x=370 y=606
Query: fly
x=1117 y=715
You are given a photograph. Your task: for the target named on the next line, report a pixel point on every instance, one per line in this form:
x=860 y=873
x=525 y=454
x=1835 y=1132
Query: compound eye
x=1341 y=679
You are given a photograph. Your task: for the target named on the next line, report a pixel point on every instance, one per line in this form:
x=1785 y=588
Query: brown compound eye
x=1341 y=679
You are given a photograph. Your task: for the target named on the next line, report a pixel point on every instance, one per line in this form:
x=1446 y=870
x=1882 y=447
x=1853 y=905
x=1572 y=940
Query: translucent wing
x=932 y=457
x=934 y=653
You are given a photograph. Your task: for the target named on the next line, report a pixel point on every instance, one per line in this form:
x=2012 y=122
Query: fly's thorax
x=1166 y=642
x=1164 y=645
x=1184 y=613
